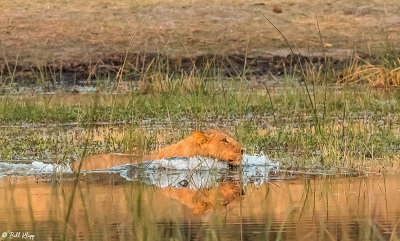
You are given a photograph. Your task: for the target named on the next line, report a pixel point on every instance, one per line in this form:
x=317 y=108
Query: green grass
x=333 y=128
x=235 y=103
x=302 y=119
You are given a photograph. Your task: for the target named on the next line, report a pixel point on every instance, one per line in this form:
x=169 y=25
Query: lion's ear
x=201 y=138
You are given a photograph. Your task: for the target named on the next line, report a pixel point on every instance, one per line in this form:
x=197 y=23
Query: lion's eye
x=225 y=141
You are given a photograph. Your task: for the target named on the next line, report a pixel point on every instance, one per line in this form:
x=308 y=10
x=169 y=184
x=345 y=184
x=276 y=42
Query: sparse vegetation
x=348 y=129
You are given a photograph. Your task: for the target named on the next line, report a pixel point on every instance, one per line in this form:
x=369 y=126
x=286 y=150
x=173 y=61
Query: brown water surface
x=289 y=207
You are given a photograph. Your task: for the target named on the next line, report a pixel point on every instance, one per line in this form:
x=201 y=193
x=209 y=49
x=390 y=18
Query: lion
x=211 y=143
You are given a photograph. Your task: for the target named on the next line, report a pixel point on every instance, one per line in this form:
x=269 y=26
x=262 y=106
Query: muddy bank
x=139 y=66
x=81 y=40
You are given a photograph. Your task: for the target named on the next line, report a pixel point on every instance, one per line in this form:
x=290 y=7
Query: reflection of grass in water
x=322 y=208
x=315 y=217
x=74 y=190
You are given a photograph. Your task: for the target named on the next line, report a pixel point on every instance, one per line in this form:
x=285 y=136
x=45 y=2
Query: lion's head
x=211 y=143
x=219 y=145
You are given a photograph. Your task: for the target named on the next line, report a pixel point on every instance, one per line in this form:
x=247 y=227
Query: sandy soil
x=81 y=32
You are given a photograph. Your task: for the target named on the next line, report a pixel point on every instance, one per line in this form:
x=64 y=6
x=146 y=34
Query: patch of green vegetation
x=329 y=127
x=287 y=102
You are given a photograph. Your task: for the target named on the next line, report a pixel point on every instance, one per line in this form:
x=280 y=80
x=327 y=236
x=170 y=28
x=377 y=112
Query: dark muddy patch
x=139 y=66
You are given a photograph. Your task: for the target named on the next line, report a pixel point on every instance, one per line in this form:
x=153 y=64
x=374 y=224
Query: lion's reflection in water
x=199 y=190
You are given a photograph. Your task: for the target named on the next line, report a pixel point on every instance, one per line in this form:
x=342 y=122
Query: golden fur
x=211 y=143
x=103 y=161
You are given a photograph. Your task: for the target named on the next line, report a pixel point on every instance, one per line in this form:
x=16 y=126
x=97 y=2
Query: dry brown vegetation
x=68 y=31
x=379 y=76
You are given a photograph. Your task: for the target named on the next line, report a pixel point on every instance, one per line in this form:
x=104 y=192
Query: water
x=199 y=172
x=165 y=172
x=197 y=199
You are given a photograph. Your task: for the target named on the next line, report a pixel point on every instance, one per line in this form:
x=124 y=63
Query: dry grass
x=47 y=31
x=380 y=76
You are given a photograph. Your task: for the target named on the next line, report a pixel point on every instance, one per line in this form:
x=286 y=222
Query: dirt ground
x=78 y=31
